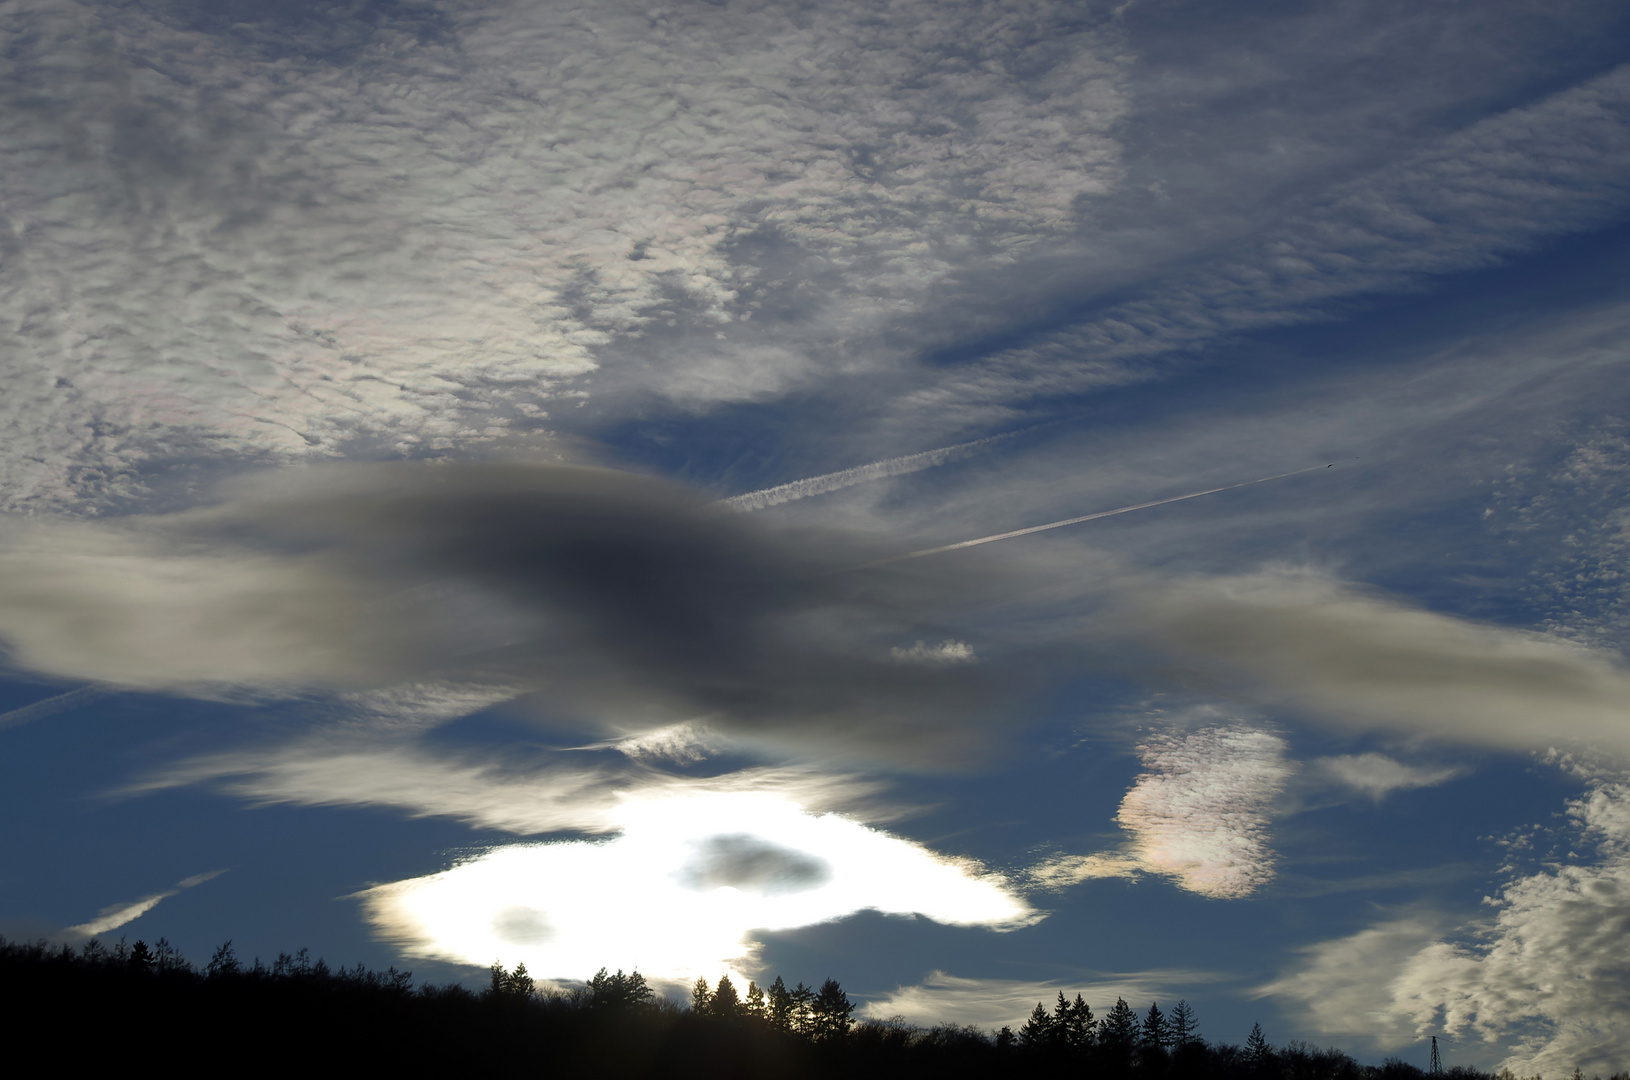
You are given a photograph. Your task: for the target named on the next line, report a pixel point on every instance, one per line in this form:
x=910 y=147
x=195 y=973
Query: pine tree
x=1073 y=1023
x=1038 y=1030
x=1118 y=1034
x=801 y=998
x=726 y=1004
x=141 y=957
x=1185 y=1029
x=755 y=1000
x=1257 y=1050
x=1157 y=1032
x=699 y=996
x=780 y=1005
x=1081 y=1023
x=831 y=1012
x=224 y=962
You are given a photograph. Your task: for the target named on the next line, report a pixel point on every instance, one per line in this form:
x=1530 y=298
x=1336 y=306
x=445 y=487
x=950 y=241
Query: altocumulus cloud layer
x=276 y=237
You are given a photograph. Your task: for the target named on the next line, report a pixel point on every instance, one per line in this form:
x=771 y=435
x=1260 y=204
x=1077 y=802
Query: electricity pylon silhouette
x=1436 y=1067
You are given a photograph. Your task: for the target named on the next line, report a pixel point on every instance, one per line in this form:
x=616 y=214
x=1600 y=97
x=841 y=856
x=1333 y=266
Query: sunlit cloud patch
x=680 y=890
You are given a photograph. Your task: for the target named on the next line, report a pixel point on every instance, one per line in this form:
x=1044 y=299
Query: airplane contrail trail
x=73 y=699
x=1084 y=517
x=820 y=485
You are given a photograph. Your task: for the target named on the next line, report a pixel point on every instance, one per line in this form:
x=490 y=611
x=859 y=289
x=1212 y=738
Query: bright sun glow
x=679 y=892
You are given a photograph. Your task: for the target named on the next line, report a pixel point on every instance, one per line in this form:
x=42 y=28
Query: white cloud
x=226 y=247
x=821 y=485
x=1061 y=871
x=1546 y=977
x=994 y=1003
x=946 y=652
x=680 y=890
x=485 y=791
x=683 y=744
x=1377 y=775
x=1199 y=812
x=1497 y=188
x=117 y=915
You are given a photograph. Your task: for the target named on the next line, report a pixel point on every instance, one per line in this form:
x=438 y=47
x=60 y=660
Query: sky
x=488 y=482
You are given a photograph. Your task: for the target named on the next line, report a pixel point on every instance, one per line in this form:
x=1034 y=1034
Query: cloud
x=1199 y=811
x=617 y=601
x=1547 y=975
x=1499 y=187
x=683 y=744
x=1061 y=871
x=516 y=792
x=607 y=601
x=821 y=485
x=680 y=890
x=117 y=915
x=1197 y=814
x=244 y=241
x=1378 y=776
x=995 y=1003
x=50 y=706
x=946 y=652
x=1363 y=661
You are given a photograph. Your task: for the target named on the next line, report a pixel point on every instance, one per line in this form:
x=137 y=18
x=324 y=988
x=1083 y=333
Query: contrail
x=73 y=699
x=1084 y=517
x=820 y=485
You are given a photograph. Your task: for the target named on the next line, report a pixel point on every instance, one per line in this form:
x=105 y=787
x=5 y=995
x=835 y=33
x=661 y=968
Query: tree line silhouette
x=106 y=1005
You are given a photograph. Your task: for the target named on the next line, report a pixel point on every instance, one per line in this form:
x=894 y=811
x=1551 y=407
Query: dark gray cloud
x=622 y=603
x=751 y=864
x=616 y=601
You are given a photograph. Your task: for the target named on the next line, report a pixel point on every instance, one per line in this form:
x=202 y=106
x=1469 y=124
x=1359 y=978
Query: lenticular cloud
x=680 y=891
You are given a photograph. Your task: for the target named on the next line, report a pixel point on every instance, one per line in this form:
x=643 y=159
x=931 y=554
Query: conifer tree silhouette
x=831 y=1012
x=224 y=962
x=700 y=996
x=1073 y=1023
x=1157 y=1032
x=1037 y=1031
x=754 y=1005
x=725 y=1004
x=780 y=1005
x=141 y=957
x=1185 y=1029
x=1118 y=1035
x=1258 y=1051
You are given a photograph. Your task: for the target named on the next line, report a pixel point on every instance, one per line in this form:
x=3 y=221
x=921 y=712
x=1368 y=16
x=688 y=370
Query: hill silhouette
x=97 y=1006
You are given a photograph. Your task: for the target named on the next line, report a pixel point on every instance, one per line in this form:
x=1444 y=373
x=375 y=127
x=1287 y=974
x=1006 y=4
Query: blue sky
x=374 y=374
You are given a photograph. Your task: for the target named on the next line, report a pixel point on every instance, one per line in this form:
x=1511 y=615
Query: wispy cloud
x=487 y=791
x=1497 y=188
x=51 y=706
x=994 y=1003
x=1378 y=776
x=117 y=915
x=821 y=485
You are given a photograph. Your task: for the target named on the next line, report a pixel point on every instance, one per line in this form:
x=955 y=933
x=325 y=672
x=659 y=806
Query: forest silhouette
x=100 y=1005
